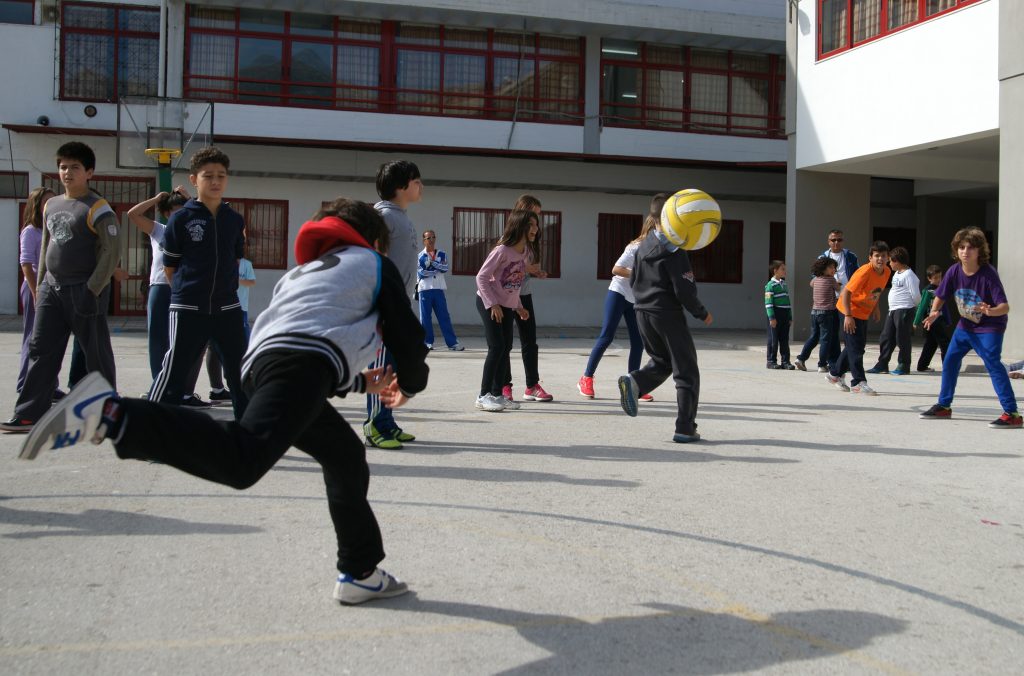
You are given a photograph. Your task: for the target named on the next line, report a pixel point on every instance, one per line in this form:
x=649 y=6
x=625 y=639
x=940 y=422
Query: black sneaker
x=58 y=394
x=194 y=401
x=218 y=397
x=937 y=412
x=16 y=424
x=786 y=366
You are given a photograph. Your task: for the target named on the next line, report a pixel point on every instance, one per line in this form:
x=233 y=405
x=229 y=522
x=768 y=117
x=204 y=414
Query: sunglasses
x=833 y=239
x=430 y=238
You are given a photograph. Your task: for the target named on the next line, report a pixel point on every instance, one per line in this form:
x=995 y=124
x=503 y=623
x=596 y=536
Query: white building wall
x=917 y=87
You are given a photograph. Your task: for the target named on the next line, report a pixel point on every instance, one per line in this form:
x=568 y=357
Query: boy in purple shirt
x=975 y=287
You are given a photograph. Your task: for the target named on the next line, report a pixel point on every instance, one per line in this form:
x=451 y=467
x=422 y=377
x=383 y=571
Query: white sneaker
x=822 y=369
x=799 y=363
x=862 y=388
x=838 y=381
x=489 y=402
x=511 y=404
x=380 y=585
x=71 y=420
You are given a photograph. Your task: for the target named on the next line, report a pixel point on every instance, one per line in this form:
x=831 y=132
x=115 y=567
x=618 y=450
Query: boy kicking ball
x=325 y=316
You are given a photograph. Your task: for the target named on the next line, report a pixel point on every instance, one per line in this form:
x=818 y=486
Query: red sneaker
x=586 y=386
x=536 y=393
x=1007 y=421
x=645 y=397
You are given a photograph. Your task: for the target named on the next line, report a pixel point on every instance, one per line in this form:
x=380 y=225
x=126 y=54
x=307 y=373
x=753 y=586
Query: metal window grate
x=721 y=262
x=614 y=232
x=476 y=232
x=266 y=231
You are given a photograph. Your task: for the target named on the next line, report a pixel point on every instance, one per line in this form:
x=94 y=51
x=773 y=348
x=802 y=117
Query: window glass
x=88 y=16
x=259 y=59
x=418 y=34
x=465 y=76
x=513 y=42
x=466 y=38
x=359 y=30
x=210 y=17
x=620 y=50
x=418 y=71
x=669 y=55
x=138 y=66
x=139 y=21
x=902 y=12
x=359 y=68
x=709 y=58
x=833 y=25
x=17 y=12
x=663 y=96
x=750 y=105
x=621 y=85
x=320 y=25
x=88 y=66
x=555 y=45
x=558 y=87
x=312 y=62
x=867 y=16
x=261 y=20
x=709 y=94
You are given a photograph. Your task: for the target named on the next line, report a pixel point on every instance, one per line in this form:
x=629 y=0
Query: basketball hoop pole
x=163 y=157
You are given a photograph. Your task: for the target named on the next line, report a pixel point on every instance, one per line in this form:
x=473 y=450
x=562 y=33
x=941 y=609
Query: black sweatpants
x=668 y=341
x=189 y=334
x=935 y=337
x=899 y=325
x=527 y=345
x=778 y=336
x=288 y=406
x=499 y=345
x=60 y=312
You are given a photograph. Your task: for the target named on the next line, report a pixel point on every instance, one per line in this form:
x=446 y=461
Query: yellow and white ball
x=691 y=219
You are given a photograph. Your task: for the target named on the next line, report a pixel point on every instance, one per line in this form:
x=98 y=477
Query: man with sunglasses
x=846 y=260
x=433 y=264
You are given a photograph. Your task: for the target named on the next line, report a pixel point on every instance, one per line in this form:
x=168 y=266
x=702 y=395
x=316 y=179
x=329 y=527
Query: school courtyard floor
x=810 y=532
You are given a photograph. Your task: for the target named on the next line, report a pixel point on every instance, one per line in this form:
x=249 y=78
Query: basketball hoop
x=163 y=156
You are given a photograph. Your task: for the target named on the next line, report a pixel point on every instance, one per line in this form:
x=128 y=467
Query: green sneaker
x=375 y=438
x=398 y=435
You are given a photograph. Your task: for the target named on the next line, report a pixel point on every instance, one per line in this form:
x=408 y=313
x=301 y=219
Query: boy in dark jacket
x=663 y=286
x=202 y=245
x=326 y=316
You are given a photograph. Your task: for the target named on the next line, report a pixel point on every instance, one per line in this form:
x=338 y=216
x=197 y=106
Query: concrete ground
x=810 y=532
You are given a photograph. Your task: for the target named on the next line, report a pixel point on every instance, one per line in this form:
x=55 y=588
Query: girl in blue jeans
x=618 y=303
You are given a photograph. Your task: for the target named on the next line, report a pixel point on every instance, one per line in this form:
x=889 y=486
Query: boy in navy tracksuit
x=326 y=318
x=202 y=245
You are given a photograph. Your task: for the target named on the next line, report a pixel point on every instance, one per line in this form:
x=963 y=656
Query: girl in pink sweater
x=497 y=297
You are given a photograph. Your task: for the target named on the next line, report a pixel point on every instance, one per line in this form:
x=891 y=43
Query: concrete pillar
x=817 y=202
x=1011 y=171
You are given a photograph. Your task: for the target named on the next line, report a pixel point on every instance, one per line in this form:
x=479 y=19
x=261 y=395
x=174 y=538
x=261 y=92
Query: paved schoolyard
x=811 y=532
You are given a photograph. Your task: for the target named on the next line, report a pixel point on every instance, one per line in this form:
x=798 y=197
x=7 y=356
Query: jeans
x=615 y=308
x=988 y=346
x=158 y=309
x=852 y=357
x=823 y=330
x=778 y=337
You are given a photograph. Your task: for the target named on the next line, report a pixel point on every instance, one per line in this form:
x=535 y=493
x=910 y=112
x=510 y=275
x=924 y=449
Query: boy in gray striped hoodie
x=325 y=319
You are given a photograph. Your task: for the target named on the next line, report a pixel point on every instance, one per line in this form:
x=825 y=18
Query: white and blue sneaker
x=379 y=585
x=72 y=420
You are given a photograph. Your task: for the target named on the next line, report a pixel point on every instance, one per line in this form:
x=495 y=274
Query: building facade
x=593 y=108
x=906 y=125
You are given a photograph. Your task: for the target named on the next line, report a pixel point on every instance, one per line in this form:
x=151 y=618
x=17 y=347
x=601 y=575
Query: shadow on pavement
x=108 y=522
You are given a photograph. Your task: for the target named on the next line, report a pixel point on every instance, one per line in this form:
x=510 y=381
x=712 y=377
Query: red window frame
x=266 y=240
x=31 y=14
x=17 y=181
x=386 y=94
x=476 y=231
x=117 y=33
x=848 y=41
x=614 y=232
x=774 y=75
x=721 y=262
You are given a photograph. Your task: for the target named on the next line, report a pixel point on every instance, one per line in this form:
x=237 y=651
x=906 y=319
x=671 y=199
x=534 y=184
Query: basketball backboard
x=145 y=122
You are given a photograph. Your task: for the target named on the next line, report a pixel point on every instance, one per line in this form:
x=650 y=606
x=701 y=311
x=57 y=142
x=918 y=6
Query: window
x=721 y=262
x=108 y=51
x=846 y=23
x=614 y=232
x=266 y=231
x=478 y=230
x=13 y=185
x=18 y=11
x=312 y=60
x=655 y=86
x=776 y=241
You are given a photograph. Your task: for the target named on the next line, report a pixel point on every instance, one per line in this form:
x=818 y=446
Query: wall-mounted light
x=90 y=110
x=43 y=121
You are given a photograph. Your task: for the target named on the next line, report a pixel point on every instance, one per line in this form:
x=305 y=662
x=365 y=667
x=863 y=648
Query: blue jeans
x=988 y=346
x=615 y=308
x=823 y=330
x=852 y=357
x=433 y=301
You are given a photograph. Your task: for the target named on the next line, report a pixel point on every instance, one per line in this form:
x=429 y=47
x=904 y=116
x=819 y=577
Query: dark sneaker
x=58 y=394
x=17 y=424
x=799 y=363
x=900 y=371
x=937 y=412
x=628 y=395
x=681 y=438
x=926 y=369
x=1007 y=421
x=379 y=585
x=195 y=401
x=72 y=420
x=786 y=366
x=772 y=365
x=877 y=369
x=220 y=397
